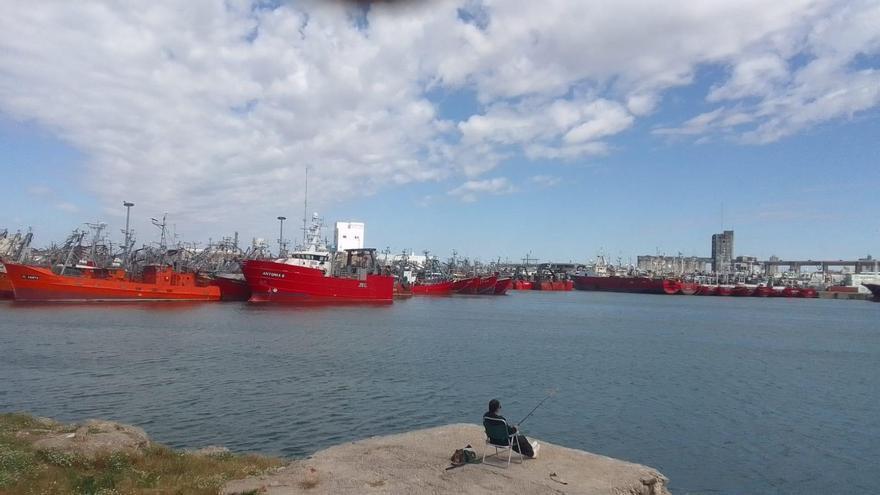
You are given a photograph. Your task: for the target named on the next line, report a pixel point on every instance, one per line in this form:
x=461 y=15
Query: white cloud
x=67 y=206
x=217 y=106
x=472 y=190
x=770 y=95
x=546 y=180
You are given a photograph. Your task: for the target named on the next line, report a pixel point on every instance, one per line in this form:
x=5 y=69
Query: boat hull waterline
x=443 y=288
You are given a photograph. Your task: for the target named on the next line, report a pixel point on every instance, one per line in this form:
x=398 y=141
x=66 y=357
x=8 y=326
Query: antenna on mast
x=306 y=209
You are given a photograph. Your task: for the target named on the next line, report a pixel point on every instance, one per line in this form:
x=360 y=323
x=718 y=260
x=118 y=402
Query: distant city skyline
x=492 y=128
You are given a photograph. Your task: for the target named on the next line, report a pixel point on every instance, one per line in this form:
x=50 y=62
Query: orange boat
x=158 y=283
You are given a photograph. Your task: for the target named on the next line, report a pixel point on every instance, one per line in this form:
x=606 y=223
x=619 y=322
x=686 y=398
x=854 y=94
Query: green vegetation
x=158 y=469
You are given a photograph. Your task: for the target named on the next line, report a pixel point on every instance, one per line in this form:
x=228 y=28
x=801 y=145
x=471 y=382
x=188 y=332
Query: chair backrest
x=496 y=430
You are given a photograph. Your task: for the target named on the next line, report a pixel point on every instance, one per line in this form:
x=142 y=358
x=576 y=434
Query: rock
x=416 y=462
x=93 y=438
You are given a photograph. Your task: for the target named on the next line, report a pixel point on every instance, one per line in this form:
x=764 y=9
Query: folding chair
x=497 y=436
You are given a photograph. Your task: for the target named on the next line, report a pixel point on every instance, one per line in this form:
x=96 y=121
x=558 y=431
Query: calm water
x=723 y=395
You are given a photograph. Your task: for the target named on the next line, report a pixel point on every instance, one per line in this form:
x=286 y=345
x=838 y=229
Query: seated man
x=529 y=449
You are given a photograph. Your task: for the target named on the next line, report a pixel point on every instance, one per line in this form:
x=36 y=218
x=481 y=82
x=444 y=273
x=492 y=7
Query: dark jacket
x=510 y=429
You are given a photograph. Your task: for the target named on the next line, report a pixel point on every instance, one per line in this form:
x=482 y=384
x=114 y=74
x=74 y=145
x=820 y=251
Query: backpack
x=464 y=456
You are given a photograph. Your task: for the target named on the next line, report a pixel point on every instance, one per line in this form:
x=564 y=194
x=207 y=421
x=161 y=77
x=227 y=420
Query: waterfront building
x=722 y=251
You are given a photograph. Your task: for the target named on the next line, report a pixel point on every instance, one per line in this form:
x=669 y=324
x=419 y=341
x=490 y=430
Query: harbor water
x=723 y=395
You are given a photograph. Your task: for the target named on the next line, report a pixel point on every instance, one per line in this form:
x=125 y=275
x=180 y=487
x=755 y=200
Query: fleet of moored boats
x=315 y=273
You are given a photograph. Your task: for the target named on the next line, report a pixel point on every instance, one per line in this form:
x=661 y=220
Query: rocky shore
x=416 y=462
x=44 y=456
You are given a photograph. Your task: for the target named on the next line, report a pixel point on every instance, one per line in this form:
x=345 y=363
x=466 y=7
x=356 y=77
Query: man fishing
x=520 y=443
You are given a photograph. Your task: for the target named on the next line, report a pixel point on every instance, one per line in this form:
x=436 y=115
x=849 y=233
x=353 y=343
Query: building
x=348 y=235
x=722 y=251
x=672 y=265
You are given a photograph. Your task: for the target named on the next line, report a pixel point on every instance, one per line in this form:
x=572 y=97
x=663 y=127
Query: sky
x=495 y=128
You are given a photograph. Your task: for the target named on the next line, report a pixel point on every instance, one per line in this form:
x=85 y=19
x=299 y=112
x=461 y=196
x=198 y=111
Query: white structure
x=349 y=235
x=858 y=279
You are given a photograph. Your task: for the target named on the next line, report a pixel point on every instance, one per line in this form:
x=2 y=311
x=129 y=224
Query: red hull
x=232 y=289
x=278 y=282
x=641 y=285
x=689 y=288
x=808 y=292
x=466 y=286
x=790 y=292
x=5 y=287
x=724 y=290
x=40 y=284
x=744 y=291
x=763 y=291
x=502 y=286
x=436 y=289
x=487 y=285
x=401 y=291
x=522 y=285
x=707 y=290
x=558 y=285
x=671 y=287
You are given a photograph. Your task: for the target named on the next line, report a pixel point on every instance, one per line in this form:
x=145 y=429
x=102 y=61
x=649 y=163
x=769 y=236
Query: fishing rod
x=550 y=394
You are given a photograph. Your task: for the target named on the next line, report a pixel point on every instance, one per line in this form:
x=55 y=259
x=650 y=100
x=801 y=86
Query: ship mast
x=306 y=209
x=163 y=227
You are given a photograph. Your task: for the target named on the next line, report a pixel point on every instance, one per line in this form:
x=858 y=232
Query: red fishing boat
x=724 y=290
x=352 y=280
x=671 y=286
x=549 y=278
x=487 y=285
x=744 y=290
x=233 y=286
x=707 y=290
x=790 y=292
x=689 y=288
x=763 y=291
x=642 y=285
x=466 y=285
x=5 y=285
x=520 y=284
x=402 y=290
x=560 y=285
x=502 y=286
x=157 y=283
x=808 y=292
x=433 y=288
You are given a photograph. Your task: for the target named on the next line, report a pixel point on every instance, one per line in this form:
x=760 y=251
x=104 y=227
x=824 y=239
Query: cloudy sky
x=494 y=127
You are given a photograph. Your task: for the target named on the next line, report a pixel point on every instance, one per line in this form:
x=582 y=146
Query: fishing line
x=551 y=393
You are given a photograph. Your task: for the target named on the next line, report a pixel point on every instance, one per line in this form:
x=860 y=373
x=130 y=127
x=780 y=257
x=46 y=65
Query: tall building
x=722 y=251
x=349 y=235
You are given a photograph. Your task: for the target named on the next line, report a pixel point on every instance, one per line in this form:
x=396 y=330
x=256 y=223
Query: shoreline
x=97 y=454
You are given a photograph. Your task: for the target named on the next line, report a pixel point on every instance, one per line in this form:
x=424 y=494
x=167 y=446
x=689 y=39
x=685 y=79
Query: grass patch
x=24 y=470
